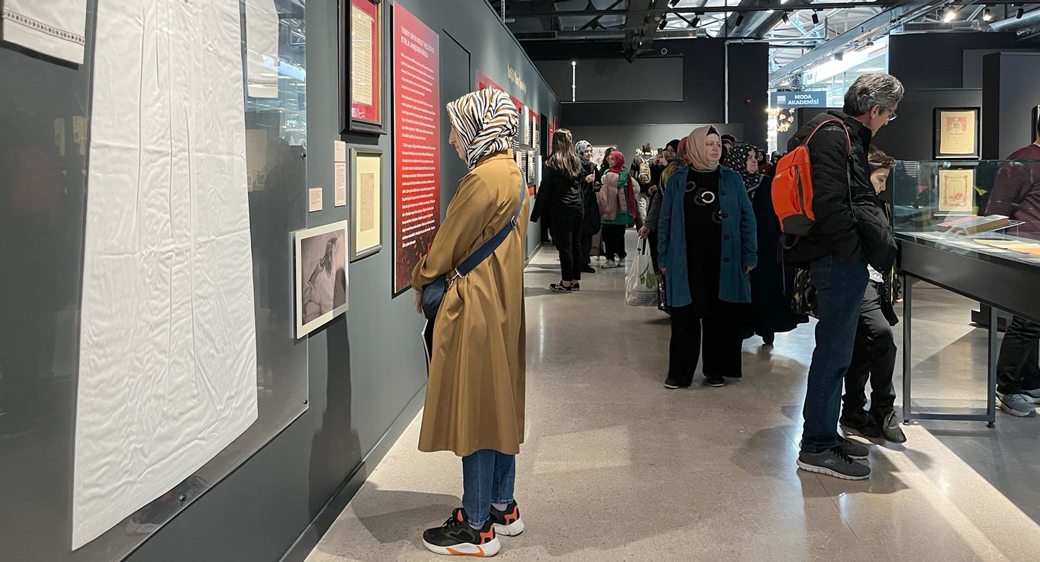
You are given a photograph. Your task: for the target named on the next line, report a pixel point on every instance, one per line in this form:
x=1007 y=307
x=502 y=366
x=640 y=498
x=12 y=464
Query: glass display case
x=988 y=209
x=972 y=228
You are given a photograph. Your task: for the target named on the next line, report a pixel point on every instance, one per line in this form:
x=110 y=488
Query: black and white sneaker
x=833 y=462
x=560 y=288
x=457 y=538
x=575 y=286
x=715 y=382
x=507 y=522
x=853 y=449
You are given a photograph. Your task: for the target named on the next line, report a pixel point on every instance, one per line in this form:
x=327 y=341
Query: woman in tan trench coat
x=475 y=396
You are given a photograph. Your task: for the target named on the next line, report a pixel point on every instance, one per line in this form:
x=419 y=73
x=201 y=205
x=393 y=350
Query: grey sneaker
x=1016 y=404
x=890 y=429
x=852 y=449
x=1033 y=394
x=833 y=462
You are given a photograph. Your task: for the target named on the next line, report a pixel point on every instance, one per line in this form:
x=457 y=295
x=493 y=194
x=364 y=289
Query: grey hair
x=869 y=90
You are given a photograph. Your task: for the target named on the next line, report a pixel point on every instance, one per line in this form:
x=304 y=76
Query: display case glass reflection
x=987 y=208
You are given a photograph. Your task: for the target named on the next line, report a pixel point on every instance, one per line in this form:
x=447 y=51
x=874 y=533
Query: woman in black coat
x=562 y=197
x=591 y=224
x=769 y=280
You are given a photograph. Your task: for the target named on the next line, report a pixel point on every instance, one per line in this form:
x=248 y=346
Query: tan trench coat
x=475 y=396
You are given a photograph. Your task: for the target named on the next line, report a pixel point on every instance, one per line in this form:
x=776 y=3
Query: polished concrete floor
x=616 y=467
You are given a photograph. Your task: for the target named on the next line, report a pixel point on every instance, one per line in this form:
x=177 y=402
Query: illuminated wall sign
x=799 y=99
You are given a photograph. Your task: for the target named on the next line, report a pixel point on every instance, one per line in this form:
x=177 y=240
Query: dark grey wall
x=364 y=369
x=1010 y=92
x=911 y=136
x=704 y=86
x=598 y=79
x=936 y=60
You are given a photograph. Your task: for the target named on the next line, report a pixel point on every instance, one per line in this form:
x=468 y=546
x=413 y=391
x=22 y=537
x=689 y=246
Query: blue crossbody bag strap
x=433 y=293
x=490 y=246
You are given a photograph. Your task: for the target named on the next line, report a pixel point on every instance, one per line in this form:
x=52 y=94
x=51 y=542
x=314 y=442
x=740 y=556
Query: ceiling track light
x=664 y=23
x=786 y=19
x=987 y=14
x=672 y=3
x=1021 y=12
x=950 y=15
x=696 y=20
x=740 y=19
x=815 y=17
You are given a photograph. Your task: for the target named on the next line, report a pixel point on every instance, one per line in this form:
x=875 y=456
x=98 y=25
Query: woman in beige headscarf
x=475 y=396
x=707 y=247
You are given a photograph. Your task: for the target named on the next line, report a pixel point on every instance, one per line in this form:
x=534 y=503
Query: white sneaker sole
x=511 y=530
x=828 y=472
x=486 y=550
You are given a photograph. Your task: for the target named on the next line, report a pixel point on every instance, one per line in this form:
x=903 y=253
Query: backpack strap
x=844 y=129
x=490 y=246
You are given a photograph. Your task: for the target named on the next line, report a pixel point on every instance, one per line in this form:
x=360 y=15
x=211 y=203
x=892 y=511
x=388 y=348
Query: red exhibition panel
x=370 y=111
x=417 y=158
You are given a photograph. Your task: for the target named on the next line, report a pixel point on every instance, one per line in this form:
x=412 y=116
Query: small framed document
x=366 y=195
x=957 y=134
x=956 y=191
x=361 y=66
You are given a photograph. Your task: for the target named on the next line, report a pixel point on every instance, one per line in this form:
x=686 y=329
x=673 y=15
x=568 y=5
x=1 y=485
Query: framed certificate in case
x=361 y=66
x=957 y=134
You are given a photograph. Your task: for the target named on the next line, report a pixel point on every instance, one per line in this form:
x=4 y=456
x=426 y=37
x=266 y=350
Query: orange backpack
x=793 y=187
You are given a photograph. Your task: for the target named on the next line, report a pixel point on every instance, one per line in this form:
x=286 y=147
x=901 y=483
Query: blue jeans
x=487 y=477
x=839 y=293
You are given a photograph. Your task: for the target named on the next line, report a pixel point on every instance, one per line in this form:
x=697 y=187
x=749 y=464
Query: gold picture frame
x=366 y=201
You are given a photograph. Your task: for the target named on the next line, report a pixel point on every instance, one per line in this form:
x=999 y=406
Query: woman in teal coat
x=708 y=245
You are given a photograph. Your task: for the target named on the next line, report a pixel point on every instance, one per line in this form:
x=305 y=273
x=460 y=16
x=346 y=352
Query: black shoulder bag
x=433 y=293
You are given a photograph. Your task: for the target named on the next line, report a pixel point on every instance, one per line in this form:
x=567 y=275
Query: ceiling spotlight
x=740 y=19
x=696 y=20
x=664 y=22
x=1021 y=12
x=786 y=19
x=951 y=15
x=815 y=18
x=987 y=14
x=672 y=3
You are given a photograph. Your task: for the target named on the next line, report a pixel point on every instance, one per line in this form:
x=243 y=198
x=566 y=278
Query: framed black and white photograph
x=321 y=284
x=366 y=196
x=958 y=133
x=361 y=67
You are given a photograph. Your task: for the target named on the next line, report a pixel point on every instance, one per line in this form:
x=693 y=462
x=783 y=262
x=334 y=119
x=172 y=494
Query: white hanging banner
x=167 y=373
x=262 y=48
x=52 y=27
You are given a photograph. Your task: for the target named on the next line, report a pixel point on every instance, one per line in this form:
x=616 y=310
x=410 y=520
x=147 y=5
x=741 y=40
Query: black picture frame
x=1035 y=122
x=937 y=119
x=347 y=123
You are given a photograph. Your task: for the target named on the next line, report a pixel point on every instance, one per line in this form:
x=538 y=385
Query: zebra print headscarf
x=485 y=122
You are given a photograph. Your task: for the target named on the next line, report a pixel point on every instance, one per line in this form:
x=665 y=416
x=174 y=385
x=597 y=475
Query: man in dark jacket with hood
x=837 y=250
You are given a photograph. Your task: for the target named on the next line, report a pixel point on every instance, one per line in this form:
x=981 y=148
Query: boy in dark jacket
x=837 y=253
x=874 y=355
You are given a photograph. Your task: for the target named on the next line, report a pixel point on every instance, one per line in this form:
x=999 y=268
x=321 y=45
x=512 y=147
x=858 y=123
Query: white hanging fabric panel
x=52 y=27
x=167 y=374
x=262 y=48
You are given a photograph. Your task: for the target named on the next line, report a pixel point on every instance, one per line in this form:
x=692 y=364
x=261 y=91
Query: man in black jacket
x=836 y=251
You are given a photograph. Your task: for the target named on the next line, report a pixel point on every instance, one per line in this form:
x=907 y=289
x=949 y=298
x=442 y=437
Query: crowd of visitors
x=730 y=236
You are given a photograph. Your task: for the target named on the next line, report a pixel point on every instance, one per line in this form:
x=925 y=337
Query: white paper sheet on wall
x=168 y=338
x=51 y=27
x=262 y=48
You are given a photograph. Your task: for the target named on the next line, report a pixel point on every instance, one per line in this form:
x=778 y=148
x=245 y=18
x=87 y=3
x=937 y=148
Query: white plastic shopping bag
x=641 y=283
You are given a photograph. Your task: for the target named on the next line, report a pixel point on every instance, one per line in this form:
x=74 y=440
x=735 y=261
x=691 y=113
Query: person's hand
x=644 y=232
x=664 y=270
x=653 y=189
x=748 y=268
x=590 y=178
x=418 y=301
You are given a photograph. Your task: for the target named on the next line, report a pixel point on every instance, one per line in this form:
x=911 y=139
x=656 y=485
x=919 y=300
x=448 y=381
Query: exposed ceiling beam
x=595 y=21
x=788 y=7
x=879 y=24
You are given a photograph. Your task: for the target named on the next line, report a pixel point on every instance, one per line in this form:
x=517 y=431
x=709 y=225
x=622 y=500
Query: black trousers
x=586 y=246
x=614 y=238
x=1017 y=365
x=652 y=241
x=567 y=234
x=722 y=343
x=873 y=358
